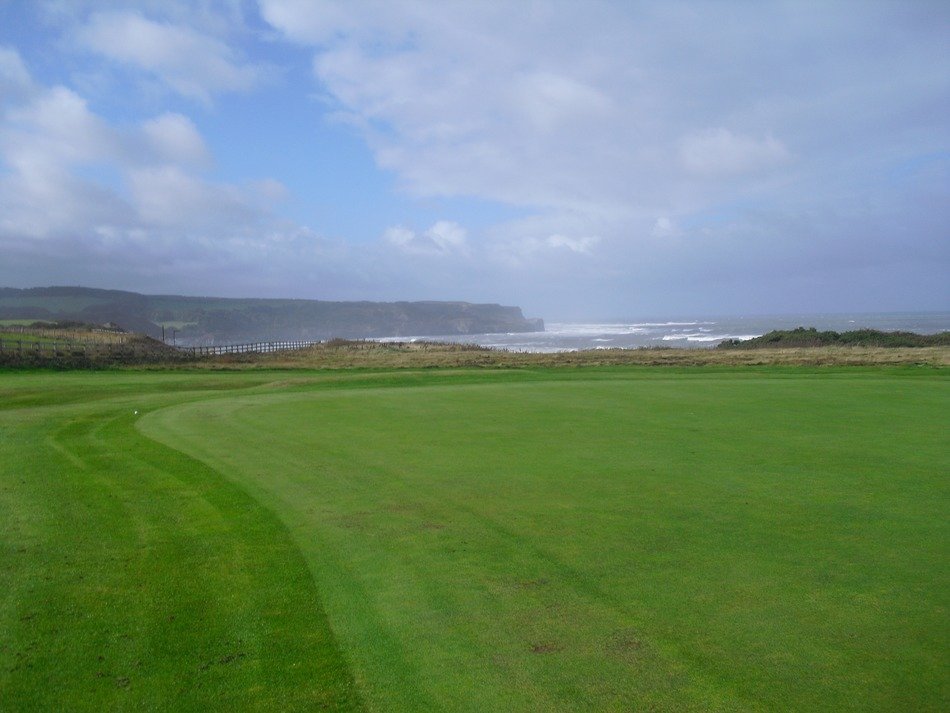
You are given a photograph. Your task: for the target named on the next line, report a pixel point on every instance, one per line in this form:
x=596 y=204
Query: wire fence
x=252 y=348
x=50 y=334
x=34 y=349
x=64 y=353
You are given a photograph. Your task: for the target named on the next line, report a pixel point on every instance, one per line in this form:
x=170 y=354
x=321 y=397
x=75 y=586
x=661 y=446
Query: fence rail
x=36 y=350
x=49 y=334
x=253 y=348
x=39 y=351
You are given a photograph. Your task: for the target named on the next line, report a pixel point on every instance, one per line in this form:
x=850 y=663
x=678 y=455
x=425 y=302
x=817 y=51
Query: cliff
x=201 y=320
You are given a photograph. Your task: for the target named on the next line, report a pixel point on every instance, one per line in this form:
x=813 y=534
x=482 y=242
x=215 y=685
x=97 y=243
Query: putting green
x=618 y=539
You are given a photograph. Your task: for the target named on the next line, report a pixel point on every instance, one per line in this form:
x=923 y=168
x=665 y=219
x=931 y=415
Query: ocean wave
x=700 y=337
x=586 y=328
x=679 y=333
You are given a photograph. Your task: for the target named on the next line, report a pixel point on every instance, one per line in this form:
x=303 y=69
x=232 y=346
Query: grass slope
x=597 y=539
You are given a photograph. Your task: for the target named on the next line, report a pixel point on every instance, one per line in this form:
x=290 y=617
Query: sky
x=582 y=160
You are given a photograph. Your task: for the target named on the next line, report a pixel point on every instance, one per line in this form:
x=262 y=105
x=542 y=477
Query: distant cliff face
x=212 y=319
x=310 y=319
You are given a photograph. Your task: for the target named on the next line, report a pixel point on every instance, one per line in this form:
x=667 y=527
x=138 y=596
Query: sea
x=685 y=332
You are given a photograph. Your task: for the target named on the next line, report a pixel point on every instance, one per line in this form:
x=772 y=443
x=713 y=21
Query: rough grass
x=59 y=335
x=535 y=539
x=811 y=337
x=349 y=354
x=21 y=322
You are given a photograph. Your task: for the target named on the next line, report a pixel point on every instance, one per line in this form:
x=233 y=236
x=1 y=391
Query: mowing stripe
x=135 y=578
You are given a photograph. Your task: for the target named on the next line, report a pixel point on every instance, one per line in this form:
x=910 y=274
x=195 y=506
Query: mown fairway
x=617 y=539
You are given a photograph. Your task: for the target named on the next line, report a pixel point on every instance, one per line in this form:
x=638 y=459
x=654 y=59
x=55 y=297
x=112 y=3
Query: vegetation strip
x=811 y=337
x=67 y=346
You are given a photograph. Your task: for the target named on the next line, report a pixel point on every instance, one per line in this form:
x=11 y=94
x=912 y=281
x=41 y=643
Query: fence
x=254 y=348
x=87 y=353
x=59 y=334
x=38 y=351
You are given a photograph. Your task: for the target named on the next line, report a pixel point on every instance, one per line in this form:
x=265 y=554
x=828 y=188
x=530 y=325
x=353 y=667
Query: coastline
x=683 y=332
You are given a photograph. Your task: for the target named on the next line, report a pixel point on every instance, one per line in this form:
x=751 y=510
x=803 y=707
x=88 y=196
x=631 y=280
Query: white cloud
x=55 y=129
x=268 y=191
x=443 y=238
x=581 y=245
x=547 y=243
x=87 y=200
x=309 y=21
x=600 y=109
x=667 y=144
x=175 y=139
x=191 y=63
x=76 y=184
x=550 y=100
x=467 y=99
x=46 y=143
x=399 y=236
x=541 y=254
x=720 y=152
x=15 y=80
x=664 y=227
x=169 y=197
x=54 y=206
x=447 y=235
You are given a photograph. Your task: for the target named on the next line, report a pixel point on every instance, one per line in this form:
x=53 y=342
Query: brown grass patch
x=624 y=643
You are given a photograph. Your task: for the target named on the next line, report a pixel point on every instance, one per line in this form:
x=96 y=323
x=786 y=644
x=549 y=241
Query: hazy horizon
x=941 y=315
x=578 y=160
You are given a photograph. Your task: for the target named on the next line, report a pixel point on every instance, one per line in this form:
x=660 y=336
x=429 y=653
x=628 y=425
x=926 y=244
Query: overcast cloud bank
x=649 y=158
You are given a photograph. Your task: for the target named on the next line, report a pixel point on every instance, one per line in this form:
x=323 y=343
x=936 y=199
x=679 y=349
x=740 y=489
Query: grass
x=31 y=338
x=613 y=538
x=811 y=337
x=136 y=578
x=342 y=354
x=348 y=354
x=55 y=335
x=21 y=322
